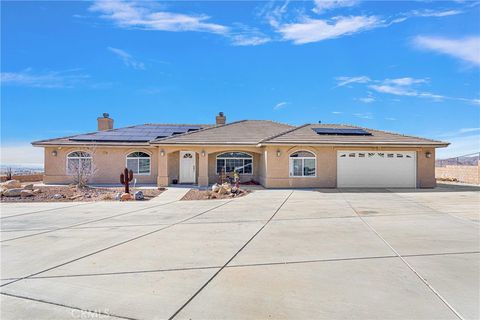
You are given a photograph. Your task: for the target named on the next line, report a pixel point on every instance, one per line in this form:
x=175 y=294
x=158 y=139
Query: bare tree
x=81 y=166
x=9 y=173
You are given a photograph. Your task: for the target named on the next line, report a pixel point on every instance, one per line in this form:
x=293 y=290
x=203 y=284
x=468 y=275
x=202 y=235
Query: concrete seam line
x=435 y=210
x=410 y=267
x=86 y=222
x=116 y=245
x=40 y=211
x=243 y=265
x=229 y=260
x=64 y=306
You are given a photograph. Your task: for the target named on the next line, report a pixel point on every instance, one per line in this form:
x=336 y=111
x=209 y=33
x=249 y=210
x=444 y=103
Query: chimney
x=105 y=123
x=220 y=119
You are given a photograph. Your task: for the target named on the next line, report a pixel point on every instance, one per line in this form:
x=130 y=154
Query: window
x=302 y=164
x=240 y=162
x=79 y=162
x=139 y=163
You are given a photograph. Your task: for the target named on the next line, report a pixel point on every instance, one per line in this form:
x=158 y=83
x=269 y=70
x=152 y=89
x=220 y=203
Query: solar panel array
x=341 y=132
x=141 y=133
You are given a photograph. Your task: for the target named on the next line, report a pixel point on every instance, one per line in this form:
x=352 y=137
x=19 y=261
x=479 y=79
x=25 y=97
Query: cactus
x=125 y=179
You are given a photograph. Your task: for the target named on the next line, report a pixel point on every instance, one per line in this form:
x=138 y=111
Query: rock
x=234 y=190
x=126 y=197
x=222 y=190
x=118 y=196
x=75 y=197
x=213 y=196
x=215 y=187
x=11 y=184
x=162 y=188
x=37 y=191
x=58 y=196
x=139 y=195
x=14 y=192
x=27 y=193
x=28 y=187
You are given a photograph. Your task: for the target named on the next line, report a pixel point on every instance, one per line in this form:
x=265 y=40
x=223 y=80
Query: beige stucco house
x=276 y=155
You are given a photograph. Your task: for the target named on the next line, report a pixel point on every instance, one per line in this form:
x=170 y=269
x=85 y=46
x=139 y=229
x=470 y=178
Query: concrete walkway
x=171 y=194
x=333 y=254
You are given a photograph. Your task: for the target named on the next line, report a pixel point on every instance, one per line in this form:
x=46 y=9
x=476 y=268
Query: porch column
x=203 y=169
x=162 y=178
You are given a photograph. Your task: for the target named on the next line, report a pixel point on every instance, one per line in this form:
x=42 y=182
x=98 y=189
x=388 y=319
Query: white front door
x=376 y=169
x=187 y=167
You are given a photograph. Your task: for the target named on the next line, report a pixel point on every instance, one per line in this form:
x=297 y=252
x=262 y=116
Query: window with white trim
x=229 y=162
x=139 y=163
x=79 y=162
x=303 y=164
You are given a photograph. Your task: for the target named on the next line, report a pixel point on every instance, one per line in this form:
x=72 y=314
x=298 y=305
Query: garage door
x=373 y=169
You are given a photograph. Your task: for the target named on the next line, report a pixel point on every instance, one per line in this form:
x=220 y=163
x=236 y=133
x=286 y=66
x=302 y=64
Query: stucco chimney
x=220 y=119
x=105 y=123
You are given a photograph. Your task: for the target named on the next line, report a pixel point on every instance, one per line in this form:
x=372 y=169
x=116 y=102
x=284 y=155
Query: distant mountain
x=21 y=168
x=470 y=160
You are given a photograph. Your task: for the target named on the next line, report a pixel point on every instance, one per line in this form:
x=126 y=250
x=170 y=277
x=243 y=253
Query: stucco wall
x=326 y=174
x=108 y=162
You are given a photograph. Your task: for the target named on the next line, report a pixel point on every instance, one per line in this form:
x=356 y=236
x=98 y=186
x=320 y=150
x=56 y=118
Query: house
x=274 y=154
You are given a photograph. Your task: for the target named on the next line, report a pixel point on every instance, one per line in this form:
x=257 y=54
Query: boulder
x=11 y=184
x=37 y=191
x=58 y=196
x=126 y=197
x=215 y=187
x=75 y=197
x=28 y=187
x=118 y=196
x=222 y=190
x=14 y=192
x=139 y=195
x=234 y=190
x=27 y=193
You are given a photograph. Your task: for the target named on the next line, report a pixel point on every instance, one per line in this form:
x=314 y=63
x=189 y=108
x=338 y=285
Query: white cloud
x=434 y=13
x=466 y=130
x=49 y=79
x=367 y=99
x=466 y=49
x=128 y=14
x=314 y=30
x=343 y=81
x=367 y=115
x=247 y=36
x=324 y=5
x=127 y=59
x=390 y=119
x=407 y=81
x=460 y=146
x=280 y=105
x=337 y=112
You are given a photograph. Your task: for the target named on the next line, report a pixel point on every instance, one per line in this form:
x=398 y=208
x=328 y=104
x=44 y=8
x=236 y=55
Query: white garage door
x=373 y=169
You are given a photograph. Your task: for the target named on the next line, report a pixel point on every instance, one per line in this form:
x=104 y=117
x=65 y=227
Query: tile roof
x=245 y=132
x=306 y=135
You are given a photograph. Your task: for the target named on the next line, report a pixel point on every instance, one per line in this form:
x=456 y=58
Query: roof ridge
x=196 y=131
x=284 y=132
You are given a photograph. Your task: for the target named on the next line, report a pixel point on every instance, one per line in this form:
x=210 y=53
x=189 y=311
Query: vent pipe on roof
x=220 y=119
x=105 y=122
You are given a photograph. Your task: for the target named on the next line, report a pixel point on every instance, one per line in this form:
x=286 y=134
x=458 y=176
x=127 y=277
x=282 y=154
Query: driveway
x=330 y=254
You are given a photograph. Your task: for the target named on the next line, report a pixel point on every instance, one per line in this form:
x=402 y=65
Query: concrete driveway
x=330 y=254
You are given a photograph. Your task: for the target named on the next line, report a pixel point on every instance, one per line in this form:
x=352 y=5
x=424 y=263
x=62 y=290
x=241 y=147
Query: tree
x=81 y=166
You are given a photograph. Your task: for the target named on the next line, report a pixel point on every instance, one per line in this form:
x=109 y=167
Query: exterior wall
x=277 y=175
x=108 y=162
x=465 y=174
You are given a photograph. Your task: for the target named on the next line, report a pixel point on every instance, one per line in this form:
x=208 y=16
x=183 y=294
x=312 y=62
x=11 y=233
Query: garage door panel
x=373 y=169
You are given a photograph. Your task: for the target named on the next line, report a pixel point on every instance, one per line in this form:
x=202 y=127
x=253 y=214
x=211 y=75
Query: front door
x=187 y=167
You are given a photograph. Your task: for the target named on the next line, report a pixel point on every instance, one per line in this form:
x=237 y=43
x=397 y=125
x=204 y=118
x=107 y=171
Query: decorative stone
x=139 y=195
x=222 y=190
x=126 y=197
x=27 y=193
x=28 y=187
x=37 y=191
x=118 y=196
x=12 y=184
x=57 y=196
x=14 y=192
x=215 y=187
x=234 y=190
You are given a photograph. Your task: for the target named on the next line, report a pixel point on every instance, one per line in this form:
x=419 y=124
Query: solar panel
x=141 y=133
x=341 y=131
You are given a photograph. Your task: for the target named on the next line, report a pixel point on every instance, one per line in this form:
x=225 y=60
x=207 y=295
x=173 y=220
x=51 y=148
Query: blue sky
x=409 y=67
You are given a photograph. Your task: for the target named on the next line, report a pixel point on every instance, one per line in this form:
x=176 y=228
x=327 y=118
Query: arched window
x=303 y=164
x=79 y=162
x=139 y=163
x=240 y=162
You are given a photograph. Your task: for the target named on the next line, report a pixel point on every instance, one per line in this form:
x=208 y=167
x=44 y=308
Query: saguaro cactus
x=125 y=179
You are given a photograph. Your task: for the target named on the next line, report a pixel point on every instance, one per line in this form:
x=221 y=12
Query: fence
x=464 y=169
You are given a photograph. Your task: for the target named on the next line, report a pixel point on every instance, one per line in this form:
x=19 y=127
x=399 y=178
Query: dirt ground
x=195 y=194
x=69 y=193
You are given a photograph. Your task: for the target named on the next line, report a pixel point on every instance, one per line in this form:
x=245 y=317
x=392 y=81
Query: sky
x=407 y=67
